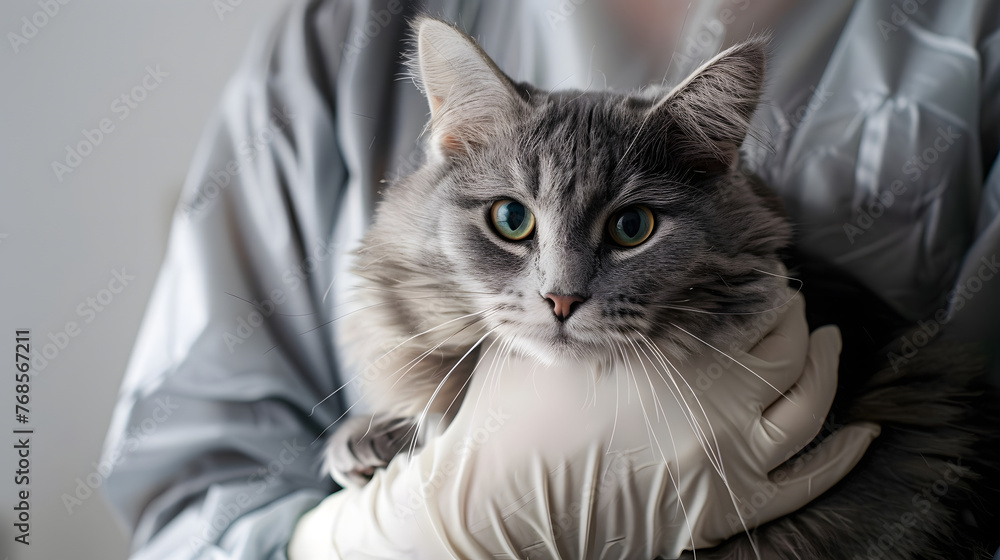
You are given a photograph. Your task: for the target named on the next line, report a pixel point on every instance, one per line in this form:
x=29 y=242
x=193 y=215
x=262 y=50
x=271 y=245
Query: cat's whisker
x=393 y=349
x=494 y=365
x=328 y=288
x=424 y=288
x=684 y=22
x=678 y=396
x=784 y=276
x=348 y=314
x=334 y=392
x=464 y=385
x=657 y=406
x=429 y=352
x=678 y=393
x=482 y=313
x=260 y=308
x=717 y=463
x=434 y=290
x=382 y=302
x=423 y=415
x=741 y=364
x=707 y=312
x=614 y=426
x=369 y=247
x=670 y=433
x=414 y=363
x=375 y=261
x=506 y=360
x=487 y=383
x=714 y=454
x=511 y=350
x=490 y=371
x=369 y=428
x=363 y=397
x=338 y=419
x=717 y=456
x=504 y=356
x=654 y=442
x=534 y=378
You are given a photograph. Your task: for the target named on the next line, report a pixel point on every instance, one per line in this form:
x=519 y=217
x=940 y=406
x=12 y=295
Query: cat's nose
x=563 y=306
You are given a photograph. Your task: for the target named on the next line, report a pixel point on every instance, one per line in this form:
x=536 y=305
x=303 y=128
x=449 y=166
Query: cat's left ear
x=471 y=99
x=708 y=115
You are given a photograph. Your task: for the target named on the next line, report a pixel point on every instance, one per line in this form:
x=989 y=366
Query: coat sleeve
x=975 y=296
x=213 y=449
x=210 y=453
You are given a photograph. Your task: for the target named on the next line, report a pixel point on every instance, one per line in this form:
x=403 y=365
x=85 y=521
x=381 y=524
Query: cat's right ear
x=708 y=115
x=471 y=100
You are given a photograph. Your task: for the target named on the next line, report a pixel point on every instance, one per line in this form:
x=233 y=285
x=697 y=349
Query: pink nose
x=563 y=306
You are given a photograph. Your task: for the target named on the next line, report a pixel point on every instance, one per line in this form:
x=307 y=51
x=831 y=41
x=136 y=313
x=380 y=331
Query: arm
x=311 y=123
x=209 y=443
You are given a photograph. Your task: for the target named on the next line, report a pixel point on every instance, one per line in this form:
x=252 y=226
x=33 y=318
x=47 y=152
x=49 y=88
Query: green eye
x=631 y=225
x=512 y=220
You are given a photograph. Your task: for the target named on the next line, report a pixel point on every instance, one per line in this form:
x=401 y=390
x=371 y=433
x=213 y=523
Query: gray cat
x=564 y=220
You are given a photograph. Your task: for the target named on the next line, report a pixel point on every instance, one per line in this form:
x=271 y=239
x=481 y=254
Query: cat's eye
x=631 y=225
x=512 y=220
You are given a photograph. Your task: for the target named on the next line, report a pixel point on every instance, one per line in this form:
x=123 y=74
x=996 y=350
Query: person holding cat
x=233 y=476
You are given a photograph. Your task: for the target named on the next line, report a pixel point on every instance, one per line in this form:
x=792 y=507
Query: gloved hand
x=644 y=460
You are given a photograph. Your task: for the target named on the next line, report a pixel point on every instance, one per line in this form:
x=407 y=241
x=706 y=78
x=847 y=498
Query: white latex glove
x=556 y=462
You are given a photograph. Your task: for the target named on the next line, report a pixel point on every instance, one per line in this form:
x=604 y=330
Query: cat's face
x=580 y=223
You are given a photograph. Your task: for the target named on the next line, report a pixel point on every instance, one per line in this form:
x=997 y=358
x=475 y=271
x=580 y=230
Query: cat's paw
x=362 y=444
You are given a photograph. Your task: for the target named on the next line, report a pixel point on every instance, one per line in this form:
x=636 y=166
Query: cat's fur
x=434 y=278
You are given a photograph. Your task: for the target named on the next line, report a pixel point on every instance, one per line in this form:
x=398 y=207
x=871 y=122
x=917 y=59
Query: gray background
x=60 y=241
